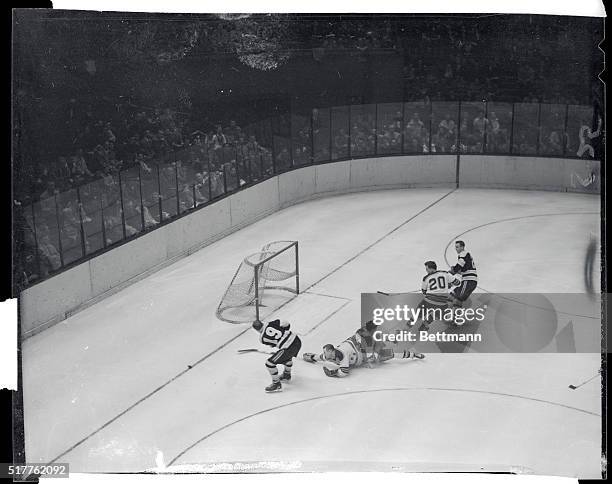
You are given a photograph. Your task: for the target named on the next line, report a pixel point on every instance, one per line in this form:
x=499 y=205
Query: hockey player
x=352 y=353
x=466 y=268
x=277 y=334
x=436 y=288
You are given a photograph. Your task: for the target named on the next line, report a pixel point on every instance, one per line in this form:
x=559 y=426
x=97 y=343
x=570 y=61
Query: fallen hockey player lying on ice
x=353 y=353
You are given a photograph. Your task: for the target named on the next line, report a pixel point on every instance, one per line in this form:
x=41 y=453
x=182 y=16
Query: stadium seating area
x=103 y=163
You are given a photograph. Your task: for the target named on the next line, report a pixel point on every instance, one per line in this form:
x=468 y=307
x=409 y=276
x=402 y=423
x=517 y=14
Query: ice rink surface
x=150 y=369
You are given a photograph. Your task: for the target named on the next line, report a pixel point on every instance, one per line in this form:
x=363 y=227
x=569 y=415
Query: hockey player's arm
x=344 y=366
x=338 y=369
x=455 y=279
x=458 y=266
x=339 y=372
x=424 y=286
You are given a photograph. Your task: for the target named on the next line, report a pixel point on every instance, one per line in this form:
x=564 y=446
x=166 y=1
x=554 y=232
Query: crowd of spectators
x=141 y=138
x=150 y=167
x=426 y=130
x=452 y=60
x=132 y=173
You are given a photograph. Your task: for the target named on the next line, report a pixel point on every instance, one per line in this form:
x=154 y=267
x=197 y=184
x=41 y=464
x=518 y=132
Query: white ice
x=110 y=388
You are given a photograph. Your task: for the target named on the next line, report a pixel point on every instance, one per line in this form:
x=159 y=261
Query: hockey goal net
x=257 y=285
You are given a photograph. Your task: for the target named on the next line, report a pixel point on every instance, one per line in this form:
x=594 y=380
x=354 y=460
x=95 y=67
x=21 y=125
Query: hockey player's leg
x=287 y=358
x=276 y=384
x=388 y=354
x=385 y=354
x=286 y=376
x=410 y=355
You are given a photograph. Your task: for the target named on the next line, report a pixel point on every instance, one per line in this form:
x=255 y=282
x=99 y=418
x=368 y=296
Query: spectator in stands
x=480 y=125
x=283 y=159
x=149 y=220
x=552 y=145
x=253 y=149
x=71 y=241
x=186 y=199
x=63 y=172
x=175 y=138
x=49 y=255
x=414 y=136
x=113 y=229
x=166 y=119
x=231 y=132
x=79 y=167
x=341 y=143
x=447 y=134
x=200 y=188
x=523 y=145
x=217 y=187
x=496 y=139
x=47 y=199
x=140 y=160
x=108 y=133
x=219 y=140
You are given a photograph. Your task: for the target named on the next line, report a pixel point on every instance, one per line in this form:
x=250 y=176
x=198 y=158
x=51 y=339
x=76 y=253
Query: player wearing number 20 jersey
x=437 y=285
x=436 y=288
x=278 y=334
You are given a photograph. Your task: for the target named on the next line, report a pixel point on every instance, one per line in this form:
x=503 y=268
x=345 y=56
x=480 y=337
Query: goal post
x=259 y=282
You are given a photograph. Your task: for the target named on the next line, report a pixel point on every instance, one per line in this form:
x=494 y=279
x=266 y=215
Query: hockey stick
x=385 y=293
x=254 y=350
x=575 y=387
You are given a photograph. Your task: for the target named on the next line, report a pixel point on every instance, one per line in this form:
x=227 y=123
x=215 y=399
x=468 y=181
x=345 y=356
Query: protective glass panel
x=111 y=203
x=525 y=135
x=473 y=126
x=301 y=139
x=552 y=124
x=70 y=226
x=267 y=163
x=47 y=232
x=130 y=187
x=168 y=193
x=150 y=195
x=282 y=153
x=91 y=200
x=230 y=170
x=498 y=128
x=187 y=197
x=416 y=127
x=216 y=181
x=363 y=130
x=26 y=269
x=321 y=134
x=281 y=125
x=339 y=132
x=257 y=159
x=389 y=129
x=248 y=170
x=444 y=117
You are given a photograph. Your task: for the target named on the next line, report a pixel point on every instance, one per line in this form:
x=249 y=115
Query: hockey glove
x=329 y=372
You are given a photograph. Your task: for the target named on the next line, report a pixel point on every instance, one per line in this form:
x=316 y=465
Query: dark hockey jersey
x=465 y=266
x=277 y=333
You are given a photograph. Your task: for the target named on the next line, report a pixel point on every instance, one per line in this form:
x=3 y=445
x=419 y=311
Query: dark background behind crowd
x=122 y=121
